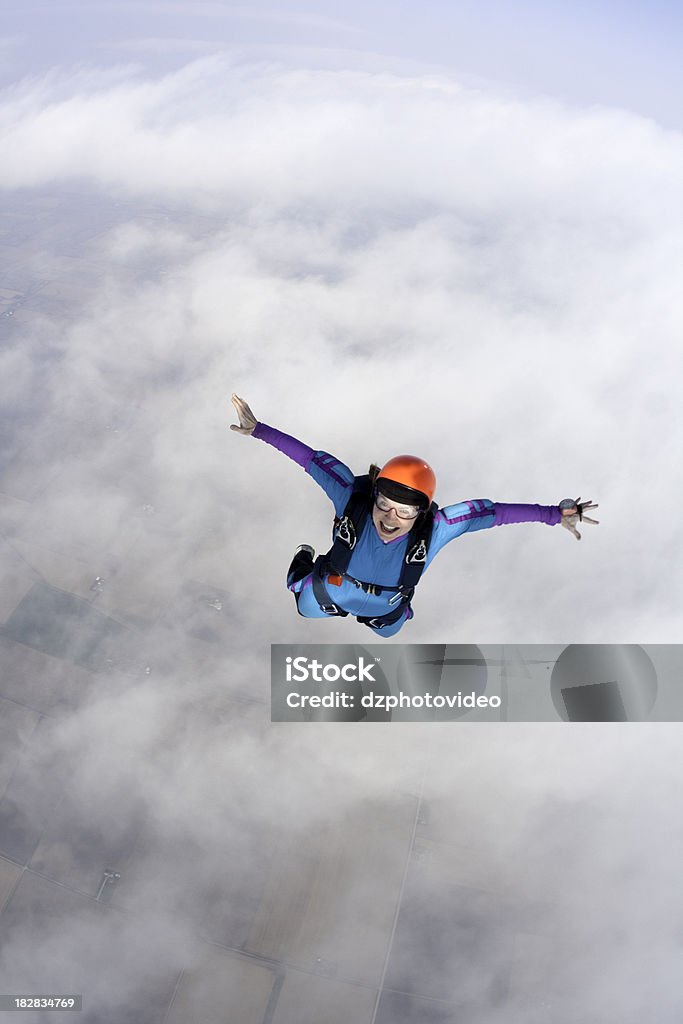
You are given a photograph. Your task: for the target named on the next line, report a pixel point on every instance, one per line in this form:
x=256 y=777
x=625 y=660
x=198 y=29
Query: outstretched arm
x=333 y=476
x=481 y=514
x=568 y=513
x=506 y=515
x=296 y=450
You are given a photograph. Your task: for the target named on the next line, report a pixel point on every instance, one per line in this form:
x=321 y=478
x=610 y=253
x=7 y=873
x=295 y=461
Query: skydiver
x=387 y=530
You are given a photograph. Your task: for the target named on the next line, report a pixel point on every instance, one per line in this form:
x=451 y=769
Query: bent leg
x=306 y=603
x=301 y=566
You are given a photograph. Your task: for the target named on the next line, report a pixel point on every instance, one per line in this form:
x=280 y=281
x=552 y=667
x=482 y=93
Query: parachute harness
x=331 y=567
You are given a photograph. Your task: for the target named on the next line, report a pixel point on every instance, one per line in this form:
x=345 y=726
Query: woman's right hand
x=246 y=417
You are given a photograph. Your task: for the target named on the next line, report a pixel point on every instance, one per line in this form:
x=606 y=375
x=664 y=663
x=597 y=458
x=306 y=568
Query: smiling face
x=388 y=523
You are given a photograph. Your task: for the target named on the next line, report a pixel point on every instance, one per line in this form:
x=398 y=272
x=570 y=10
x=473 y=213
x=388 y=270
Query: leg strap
x=320 y=590
x=379 y=621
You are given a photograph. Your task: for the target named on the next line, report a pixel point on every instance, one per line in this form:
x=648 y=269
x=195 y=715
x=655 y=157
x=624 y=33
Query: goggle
x=402 y=511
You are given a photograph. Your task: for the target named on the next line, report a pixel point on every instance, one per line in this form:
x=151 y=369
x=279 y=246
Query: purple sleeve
x=508 y=514
x=289 y=446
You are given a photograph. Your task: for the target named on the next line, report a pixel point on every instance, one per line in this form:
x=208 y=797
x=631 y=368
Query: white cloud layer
x=376 y=263
x=490 y=282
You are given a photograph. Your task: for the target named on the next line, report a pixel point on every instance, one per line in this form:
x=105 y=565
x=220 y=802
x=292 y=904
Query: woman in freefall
x=387 y=530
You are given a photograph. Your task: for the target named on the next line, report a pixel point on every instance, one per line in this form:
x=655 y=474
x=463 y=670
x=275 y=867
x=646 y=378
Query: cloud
x=410 y=225
x=513 y=257
x=377 y=263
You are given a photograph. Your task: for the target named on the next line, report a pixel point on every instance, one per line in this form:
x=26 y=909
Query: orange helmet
x=415 y=479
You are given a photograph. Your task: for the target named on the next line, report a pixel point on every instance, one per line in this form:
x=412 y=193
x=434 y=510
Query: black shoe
x=302 y=564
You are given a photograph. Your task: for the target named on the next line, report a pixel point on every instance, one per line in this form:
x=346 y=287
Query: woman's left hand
x=573 y=512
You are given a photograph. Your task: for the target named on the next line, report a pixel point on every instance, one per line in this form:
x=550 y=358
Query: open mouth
x=387 y=530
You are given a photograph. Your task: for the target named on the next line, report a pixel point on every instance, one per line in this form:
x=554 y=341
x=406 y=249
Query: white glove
x=246 y=417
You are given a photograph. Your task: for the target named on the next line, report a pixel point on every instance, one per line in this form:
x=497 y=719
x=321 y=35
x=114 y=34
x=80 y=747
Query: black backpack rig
x=346 y=531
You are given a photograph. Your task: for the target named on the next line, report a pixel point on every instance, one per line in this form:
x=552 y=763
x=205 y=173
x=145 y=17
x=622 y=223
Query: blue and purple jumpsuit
x=374 y=560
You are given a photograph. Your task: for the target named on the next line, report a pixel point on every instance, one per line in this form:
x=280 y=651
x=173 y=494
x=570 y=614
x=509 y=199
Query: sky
x=605 y=53
x=454 y=232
